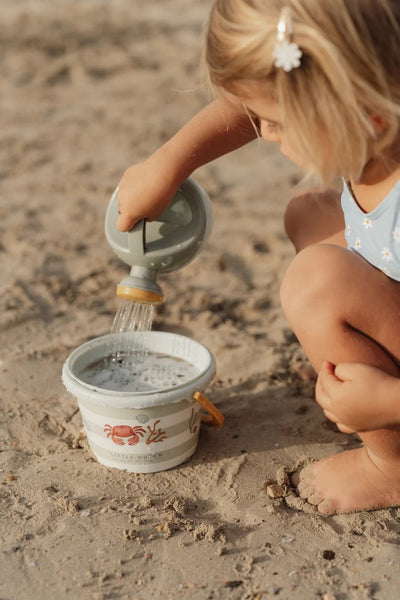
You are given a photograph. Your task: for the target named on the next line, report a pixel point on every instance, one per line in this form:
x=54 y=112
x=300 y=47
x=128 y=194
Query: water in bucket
x=149 y=373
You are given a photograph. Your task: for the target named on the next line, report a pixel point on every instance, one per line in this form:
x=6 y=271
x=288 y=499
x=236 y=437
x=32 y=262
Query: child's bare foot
x=349 y=482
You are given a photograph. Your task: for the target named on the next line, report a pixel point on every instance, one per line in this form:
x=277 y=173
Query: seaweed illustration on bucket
x=155 y=435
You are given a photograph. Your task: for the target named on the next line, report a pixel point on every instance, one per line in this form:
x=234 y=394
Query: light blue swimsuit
x=375 y=235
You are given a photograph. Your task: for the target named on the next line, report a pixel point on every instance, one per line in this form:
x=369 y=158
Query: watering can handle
x=214 y=416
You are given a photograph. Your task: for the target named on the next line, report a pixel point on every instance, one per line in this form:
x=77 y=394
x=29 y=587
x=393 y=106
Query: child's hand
x=358 y=397
x=143 y=193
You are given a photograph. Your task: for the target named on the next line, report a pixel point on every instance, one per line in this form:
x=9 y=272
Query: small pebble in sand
x=287 y=539
x=282 y=476
x=145 y=502
x=274 y=490
x=328 y=554
x=233 y=584
x=69 y=505
x=130 y=534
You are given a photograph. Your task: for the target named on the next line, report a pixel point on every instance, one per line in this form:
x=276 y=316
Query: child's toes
x=302 y=478
x=325 y=507
x=305 y=491
x=315 y=498
x=295 y=478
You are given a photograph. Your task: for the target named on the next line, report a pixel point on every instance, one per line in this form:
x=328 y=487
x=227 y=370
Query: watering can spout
x=141 y=286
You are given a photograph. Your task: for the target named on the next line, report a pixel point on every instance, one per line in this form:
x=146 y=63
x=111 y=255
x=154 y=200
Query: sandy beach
x=89 y=87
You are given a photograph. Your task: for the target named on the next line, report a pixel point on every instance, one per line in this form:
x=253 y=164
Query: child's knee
x=294 y=291
x=309 y=283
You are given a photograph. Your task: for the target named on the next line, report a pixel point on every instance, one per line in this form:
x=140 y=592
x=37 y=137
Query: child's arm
x=146 y=189
x=358 y=397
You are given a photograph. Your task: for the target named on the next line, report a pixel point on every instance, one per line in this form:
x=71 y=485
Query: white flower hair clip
x=287 y=54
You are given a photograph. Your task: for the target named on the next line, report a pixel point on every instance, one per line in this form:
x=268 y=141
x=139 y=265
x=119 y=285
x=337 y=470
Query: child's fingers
x=328 y=368
x=349 y=371
x=326 y=385
x=125 y=222
x=343 y=371
x=329 y=415
x=344 y=428
x=336 y=420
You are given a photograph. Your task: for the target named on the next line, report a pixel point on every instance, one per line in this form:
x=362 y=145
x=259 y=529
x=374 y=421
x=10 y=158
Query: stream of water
x=131 y=325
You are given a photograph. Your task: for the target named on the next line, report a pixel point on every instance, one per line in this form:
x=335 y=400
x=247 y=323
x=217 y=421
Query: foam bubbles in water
x=153 y=372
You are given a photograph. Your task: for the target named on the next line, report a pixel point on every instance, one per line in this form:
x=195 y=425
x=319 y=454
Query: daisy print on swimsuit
x=396 y=234
x=367 y=223
x=386 y=254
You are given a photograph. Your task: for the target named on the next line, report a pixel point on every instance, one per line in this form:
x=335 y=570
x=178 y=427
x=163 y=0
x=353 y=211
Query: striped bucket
x=144 y=432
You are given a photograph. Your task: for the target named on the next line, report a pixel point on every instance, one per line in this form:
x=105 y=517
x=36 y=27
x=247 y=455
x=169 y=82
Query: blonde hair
x=349 y=74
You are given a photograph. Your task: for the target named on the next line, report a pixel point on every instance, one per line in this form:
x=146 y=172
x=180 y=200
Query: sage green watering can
x=168 y=243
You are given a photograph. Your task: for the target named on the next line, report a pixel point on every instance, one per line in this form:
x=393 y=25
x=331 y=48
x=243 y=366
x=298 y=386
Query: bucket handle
x=214 y=417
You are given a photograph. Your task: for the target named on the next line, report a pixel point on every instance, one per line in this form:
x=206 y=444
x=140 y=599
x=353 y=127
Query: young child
x=322 y=79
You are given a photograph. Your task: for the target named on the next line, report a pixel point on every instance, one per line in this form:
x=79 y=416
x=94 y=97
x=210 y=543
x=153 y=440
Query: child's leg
x=314 y=217
x=344 y=310
x=310 y=218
